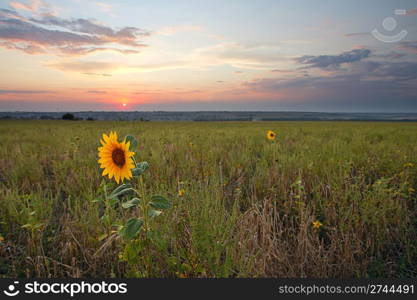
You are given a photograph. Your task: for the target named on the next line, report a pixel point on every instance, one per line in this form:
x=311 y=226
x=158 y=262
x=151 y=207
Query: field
x=247 y=208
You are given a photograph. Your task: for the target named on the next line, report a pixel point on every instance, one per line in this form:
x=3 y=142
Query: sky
x=183 y=55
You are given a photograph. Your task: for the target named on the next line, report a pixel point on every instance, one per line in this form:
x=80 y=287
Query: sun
x=124 y=104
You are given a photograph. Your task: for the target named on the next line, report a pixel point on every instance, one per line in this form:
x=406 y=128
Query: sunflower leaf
x=122 y=192
x=132 y=140
x=131 y=228
x=140 y=168
x=159 y=202
x=131 y=203
x=119 y=188
x=154 y=213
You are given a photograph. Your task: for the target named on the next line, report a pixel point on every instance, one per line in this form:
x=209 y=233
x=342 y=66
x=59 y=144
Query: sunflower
x=115 y=158
x=317 y=224
x=271 y=135
x=181 y=192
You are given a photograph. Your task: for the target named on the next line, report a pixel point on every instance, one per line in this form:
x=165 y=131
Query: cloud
x=411 y=12
x=180 y=28
x=101 y=68
x=24 y=92
x=358 y=34
x=392 y=55
x=333 y=61
x=125 y=36
x=97 y=92
x=30 y=49
x=85 y=67
x=363 y=79
x=258 y=56
x=410 y=46
x=32 y=5
x=97 y=74
x=104 y=7
x=35 y=7
x=282 y=71
x=71 y=37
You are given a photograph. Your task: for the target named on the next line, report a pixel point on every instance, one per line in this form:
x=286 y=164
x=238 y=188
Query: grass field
x=248 y=207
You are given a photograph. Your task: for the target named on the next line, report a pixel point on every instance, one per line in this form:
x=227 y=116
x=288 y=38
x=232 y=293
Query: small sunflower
x=317 y=224
x=181 y=192
x=271 y=135
x=115 y=158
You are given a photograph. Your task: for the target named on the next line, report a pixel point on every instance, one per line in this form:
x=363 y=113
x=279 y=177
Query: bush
x=68 y=116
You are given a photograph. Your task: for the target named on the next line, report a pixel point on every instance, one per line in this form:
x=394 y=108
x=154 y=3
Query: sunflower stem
x=134 y=161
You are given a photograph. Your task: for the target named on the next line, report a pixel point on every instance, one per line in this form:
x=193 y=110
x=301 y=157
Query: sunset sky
x=179 y=55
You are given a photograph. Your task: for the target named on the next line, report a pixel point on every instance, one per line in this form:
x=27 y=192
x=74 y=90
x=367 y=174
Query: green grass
x=248 y=208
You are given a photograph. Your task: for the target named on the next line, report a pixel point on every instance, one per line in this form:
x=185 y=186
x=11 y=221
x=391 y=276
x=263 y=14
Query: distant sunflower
x=115 y=158
x=317 y=224
x=271 y=135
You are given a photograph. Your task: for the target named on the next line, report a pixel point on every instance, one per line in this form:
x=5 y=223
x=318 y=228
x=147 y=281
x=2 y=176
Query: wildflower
x=115 y=158
x=317 y=224
x=408 y=165
x=271 y=135
x=181 y=192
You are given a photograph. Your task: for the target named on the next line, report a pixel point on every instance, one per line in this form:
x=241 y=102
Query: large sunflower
x=115 y=158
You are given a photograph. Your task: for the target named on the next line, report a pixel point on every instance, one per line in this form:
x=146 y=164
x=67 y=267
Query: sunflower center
x=118 y=156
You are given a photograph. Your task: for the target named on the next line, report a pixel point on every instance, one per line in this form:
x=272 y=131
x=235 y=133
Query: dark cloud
x=71 y=37
x=125 y=36
x=333 y=61
x=366 y=83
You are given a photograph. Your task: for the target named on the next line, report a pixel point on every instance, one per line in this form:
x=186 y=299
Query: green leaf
x=159 y=202
x=125 y=191
x=120 y=188
x=140 y=169
x=132 y=228
x=131 y=203
x=133 y=142
x=154 y=213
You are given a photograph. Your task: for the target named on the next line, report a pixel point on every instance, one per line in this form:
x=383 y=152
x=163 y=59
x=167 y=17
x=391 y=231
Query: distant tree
x=68 y=116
